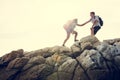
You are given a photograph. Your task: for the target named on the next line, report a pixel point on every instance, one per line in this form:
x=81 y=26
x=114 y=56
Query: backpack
x=100 y=21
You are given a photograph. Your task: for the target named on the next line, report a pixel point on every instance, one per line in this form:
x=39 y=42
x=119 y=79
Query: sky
x=36 y=24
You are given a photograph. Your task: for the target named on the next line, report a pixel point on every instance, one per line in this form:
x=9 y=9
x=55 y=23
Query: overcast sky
x=35 y=24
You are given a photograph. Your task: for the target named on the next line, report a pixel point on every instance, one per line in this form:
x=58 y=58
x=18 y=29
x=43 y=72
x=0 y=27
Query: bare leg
x=68 y=36
x=92 y=31
x=74 y=32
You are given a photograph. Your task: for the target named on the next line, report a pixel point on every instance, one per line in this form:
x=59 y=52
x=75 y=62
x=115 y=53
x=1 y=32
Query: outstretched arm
x=84 y=23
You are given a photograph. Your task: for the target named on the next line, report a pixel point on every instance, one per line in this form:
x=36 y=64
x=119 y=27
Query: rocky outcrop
x=87 y=59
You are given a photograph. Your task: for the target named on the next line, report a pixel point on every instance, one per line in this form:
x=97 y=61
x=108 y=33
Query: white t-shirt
x=94 y=19
x=70 y=25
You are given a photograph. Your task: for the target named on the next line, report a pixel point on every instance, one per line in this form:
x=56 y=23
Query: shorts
x=69 y=30
x=96 y=29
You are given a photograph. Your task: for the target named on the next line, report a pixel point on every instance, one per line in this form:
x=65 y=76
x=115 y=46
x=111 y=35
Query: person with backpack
x=97 y=23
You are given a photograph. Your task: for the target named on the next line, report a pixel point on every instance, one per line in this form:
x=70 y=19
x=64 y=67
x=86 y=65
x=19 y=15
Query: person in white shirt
x=69 y=28
x=96 y=23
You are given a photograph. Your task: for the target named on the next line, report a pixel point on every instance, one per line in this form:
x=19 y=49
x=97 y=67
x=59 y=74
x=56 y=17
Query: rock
x=60 y=49
x=117 y=46
x=42 y=52
x=68 y=66
x=53 y=76
x=76 y=51
x=108 y=51
x=112 y=41
x=60 y=76
x=65 y=71
x=105 y=49
x=38 y=72
x=117 y=60
x=90 y=58
x=89 y=42
x=47 y=52
x=57 y=59
x=81 y=74
x=86 y=45
x=17 y=63
x=98 y=74
x=117 y=43
x=34 y=61
x=6 y=75
x=87 y=59
x=11 y=56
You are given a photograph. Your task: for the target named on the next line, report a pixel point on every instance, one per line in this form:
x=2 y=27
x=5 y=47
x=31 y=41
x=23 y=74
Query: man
x=96 y=23
x=69 y=27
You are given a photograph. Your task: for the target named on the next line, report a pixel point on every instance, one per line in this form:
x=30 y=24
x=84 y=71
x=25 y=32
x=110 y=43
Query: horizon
x=32 y=25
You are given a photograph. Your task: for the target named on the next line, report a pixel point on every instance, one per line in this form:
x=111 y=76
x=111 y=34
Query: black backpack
x=100 y=21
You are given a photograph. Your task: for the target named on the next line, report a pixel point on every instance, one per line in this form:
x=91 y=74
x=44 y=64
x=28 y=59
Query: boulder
x=65 y=71
x=57 y=59
x=68 y=66
x=87 y=59
x=60 y=49
x=60 y=76
x=8 y=75
x=117 y=60
x=90 y=58
x=76 y=51
x=112 y=41
x=108 y=51
x=11 y=56
x=46 y=52
x=34 y=61
x=117 y=46
x=37 y=72
x=89 y=42
x=17 y=63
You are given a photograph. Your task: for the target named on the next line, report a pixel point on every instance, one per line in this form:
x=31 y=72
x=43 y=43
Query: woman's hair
x=75 y=20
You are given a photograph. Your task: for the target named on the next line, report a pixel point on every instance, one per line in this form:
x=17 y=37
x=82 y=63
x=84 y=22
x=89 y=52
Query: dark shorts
x=96 y=29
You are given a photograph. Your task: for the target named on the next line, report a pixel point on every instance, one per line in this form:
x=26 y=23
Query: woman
x=69 y=28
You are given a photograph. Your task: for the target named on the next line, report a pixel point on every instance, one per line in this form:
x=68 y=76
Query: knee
x=75 y=32
x=92 y=29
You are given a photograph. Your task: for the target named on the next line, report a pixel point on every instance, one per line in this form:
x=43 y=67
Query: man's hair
x=92 y=13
